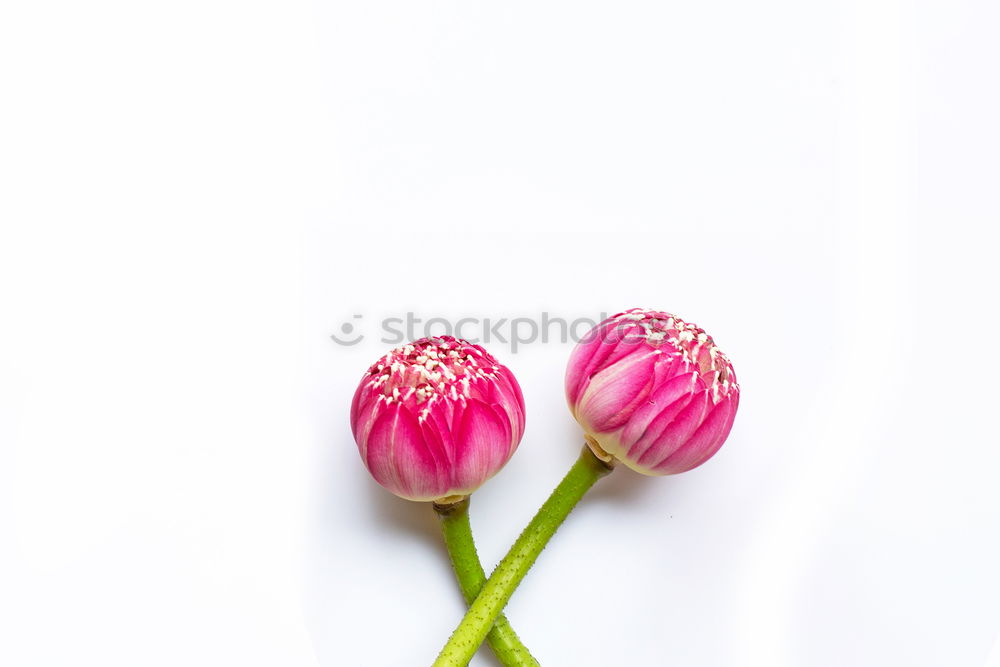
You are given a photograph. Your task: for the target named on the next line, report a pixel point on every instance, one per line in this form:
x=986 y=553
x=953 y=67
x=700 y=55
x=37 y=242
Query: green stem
x=500 y=586
x=462 y=549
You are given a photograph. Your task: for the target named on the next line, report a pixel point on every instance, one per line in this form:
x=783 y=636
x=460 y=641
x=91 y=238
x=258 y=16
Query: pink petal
x=362 y=397
x=602 y=347
x=484 y=445
x=705 y=442
x=368 y=413
x=612 y=393
x=676 y=432
x=399 y=459
x=507 y=395
x=656 y=412
x=576 y=368
x=438 y=442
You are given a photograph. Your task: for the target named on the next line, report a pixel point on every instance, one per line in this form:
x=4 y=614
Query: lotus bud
x=652 y=391
x=436 y=418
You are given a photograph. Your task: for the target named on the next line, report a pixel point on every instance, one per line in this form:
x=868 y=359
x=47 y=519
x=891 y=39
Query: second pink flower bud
x=653 y=391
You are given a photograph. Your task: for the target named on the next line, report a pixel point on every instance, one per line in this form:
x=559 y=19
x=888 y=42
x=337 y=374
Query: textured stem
x=500 y=586
x=462 y=550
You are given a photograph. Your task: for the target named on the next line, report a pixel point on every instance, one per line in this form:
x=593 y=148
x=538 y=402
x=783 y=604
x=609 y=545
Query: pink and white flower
x=436 y=418
x=653 y=391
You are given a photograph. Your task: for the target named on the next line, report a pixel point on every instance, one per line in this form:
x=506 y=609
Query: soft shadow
x=379 y=506
x=417 y=520
x=421 y=521
x=623 y=485
x=405 y=516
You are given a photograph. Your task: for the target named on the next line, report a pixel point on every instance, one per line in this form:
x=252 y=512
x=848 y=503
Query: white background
x=195 y=195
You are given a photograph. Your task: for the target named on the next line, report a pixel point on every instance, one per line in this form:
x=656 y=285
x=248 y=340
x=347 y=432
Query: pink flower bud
x=437 y=418
x=653 y=391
